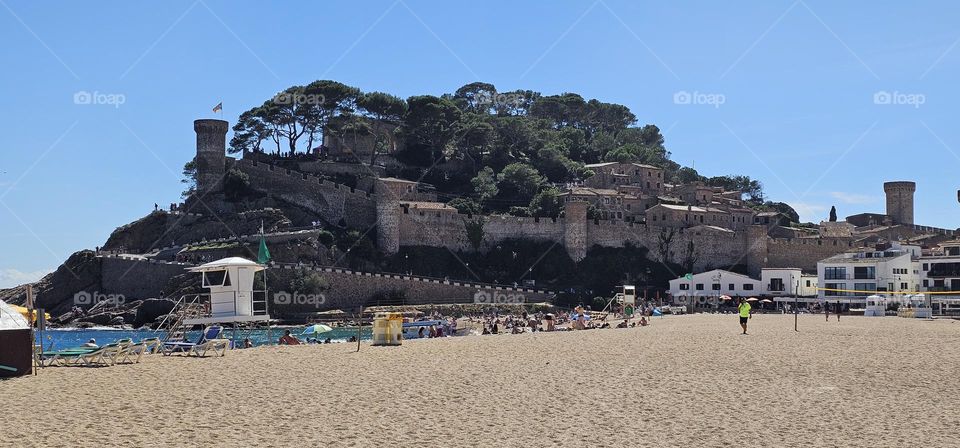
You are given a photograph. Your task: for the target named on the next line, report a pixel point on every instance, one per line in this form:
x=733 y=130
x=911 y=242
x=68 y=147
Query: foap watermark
x=296 y=298
x=699 y=98
x=94 y=298
x=96 y=98
x=494 y=297
x=291 y=98
x=499 y=100
x=897 y=98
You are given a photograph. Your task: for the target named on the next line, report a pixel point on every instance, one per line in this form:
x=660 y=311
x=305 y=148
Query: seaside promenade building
x=706 y=287
x=852 y=276
x=940 y=270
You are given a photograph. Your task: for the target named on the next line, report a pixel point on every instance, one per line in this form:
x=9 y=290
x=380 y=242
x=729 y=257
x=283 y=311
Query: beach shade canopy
x=11 y=318
x=31 y=316
x=752 y=299
x=725 y=297
x=317 y=329
x=767 y=301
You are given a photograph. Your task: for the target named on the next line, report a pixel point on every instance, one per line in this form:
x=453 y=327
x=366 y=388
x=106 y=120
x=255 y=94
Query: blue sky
x=822 y=101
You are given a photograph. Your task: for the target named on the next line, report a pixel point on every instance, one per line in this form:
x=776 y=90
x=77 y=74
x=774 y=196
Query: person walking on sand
x=744 y=309
x=826 y=311
x=839 y=308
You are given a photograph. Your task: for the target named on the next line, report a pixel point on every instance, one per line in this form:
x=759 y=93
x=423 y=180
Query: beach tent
x=16 y=348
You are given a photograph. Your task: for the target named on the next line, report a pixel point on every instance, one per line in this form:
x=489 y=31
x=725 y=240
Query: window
x=776 y=284
x=216 y=278
x=715 y=286
x=830 y=286
x=904 y=286
x=748 y=286
x=699 y=286
x=925 y=267
x=864 y=272
x=872 y=287
x=684 y=286
x=835 y=273
x=732 y=287
x=925 y=283
x=808 y=283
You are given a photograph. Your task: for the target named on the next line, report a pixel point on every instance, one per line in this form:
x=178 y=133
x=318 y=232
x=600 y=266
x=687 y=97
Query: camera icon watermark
x=295 y=298
x=492 y=297
x=94 y=298
x=897 y=98
x=297 y=99
x=699 y=98
x=96 y=98
x=499 y=100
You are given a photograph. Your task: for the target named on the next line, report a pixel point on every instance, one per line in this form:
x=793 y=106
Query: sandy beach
x=683 y=381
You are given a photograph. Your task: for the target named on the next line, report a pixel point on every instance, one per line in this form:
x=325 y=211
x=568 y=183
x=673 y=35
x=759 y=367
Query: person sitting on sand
x=92 y=343
x=643 y=321
x=247 y=343
x=486 y=330
x=622 y=324
x=433 y=331
x=289 y=339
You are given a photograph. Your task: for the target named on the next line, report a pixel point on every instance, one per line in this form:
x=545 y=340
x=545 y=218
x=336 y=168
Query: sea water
x=62 y=338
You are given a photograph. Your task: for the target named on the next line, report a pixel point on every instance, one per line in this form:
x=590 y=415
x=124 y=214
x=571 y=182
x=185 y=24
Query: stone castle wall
x=713 y=247
x=330 y=200
x=137 y=278
x=348 y=289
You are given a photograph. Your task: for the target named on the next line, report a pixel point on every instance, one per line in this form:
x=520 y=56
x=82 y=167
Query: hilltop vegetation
x=483 y=150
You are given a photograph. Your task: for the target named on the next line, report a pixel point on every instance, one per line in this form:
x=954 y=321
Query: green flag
x=264 y=256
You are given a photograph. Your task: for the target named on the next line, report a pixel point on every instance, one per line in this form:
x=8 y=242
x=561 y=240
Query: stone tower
x=388 y=219
x=575 y=229
x=900 y=201
x=211 y=153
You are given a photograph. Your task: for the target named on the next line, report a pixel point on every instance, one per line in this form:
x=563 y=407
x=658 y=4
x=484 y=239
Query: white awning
x=227 y=263
x=11 y=319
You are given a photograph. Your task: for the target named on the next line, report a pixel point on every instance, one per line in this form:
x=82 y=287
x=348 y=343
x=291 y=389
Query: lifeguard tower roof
x=223 y=263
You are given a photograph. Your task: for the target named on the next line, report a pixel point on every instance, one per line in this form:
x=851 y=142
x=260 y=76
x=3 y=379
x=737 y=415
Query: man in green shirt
x=744 y=309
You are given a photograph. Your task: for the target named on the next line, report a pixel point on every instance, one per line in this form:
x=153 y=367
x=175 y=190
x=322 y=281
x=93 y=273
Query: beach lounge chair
x=214 y=345
x=60 y=357
x=209 y=334
x=131 y=353
x=104 y=355
x=154 y=345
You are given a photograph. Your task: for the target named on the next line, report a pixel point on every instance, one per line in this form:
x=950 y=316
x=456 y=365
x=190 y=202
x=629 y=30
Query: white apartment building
x=851 y=277
x=773 y=282
x=788 y=282
x=941 y=271
x=714 y=284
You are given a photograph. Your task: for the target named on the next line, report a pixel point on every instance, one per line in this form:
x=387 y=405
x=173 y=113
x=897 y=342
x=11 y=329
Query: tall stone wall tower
x=211 y=153
x=388 y=219
x=575 y=229
x=900 y=201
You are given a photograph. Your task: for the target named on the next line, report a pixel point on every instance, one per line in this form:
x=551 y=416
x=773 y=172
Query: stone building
x=610 y=204
x=343 y=141
x=610 y=175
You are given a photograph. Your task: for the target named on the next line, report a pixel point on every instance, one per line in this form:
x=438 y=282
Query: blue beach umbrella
x=317 y=329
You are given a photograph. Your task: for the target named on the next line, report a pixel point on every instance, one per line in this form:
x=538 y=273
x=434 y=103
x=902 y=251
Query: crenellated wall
x=398 y=226
x=331 y=200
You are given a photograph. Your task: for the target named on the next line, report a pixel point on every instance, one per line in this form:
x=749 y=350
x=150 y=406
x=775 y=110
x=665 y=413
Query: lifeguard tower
x=629 y=298
x=231 y=297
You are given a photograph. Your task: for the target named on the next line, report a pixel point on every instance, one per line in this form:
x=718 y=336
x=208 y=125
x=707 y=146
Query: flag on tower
x=218 y=107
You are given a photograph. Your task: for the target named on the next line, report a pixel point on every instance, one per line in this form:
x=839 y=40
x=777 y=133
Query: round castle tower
x=900 y=201
x=211 y=153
